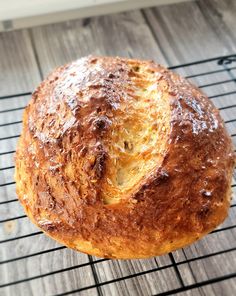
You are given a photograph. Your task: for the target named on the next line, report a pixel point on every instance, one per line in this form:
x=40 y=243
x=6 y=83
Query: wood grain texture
x=224 y=288
x=58 y=44
x=221 y=17
x=185 y=41
x=183 y=34
x=215 y=266
x=124 y=34
x=35 y=265
x=146 y=284
x=18 y=67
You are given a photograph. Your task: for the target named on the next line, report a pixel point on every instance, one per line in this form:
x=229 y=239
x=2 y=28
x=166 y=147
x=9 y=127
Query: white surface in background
x=11 y=9
x=15 y=9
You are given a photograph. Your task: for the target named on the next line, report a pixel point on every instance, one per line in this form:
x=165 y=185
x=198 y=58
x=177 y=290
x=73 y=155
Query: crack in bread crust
x=118 y=153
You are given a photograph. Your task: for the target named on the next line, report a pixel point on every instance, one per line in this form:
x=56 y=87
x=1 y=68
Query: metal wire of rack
x=217 y=77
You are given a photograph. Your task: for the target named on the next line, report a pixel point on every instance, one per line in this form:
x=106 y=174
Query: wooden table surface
x=170 y=35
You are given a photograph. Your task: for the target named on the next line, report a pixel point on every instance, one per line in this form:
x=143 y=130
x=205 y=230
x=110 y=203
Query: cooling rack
x=33 y=264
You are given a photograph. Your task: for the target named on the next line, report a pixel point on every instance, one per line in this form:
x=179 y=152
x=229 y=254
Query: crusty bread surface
x=123 y=158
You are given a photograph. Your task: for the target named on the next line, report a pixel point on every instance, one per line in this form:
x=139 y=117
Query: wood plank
x=184 y=40
x=222 y=288
x=123 y=34
x=55 y=45
x=184 y=33
x=146 y=284
x=221 y=17
x=18 y=67
x=19 y=74
x=40 y=266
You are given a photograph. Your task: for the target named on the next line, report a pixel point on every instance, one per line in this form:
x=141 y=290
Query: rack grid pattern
x=22 y=245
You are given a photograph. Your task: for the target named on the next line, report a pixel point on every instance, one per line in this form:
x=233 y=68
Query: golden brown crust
x=123 y=158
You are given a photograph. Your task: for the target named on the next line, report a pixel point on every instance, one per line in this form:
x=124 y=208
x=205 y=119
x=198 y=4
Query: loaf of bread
x=123 y=158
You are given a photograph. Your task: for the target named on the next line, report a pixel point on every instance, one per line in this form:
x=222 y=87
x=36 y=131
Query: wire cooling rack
x=33 y=264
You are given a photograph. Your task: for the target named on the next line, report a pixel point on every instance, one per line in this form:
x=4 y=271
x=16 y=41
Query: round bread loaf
x=123 y=158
